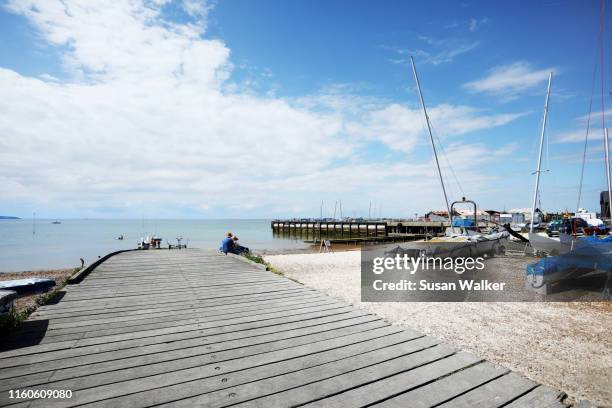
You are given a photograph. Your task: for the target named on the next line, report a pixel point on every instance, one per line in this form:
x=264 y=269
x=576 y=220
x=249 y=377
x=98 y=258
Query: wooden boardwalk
x=194 y=328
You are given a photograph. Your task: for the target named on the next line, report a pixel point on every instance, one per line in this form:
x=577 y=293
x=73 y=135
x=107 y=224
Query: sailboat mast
x=433 y=145
x=537 y=183
x=608 y=172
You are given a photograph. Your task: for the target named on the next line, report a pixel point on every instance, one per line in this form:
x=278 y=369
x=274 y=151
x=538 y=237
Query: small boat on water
x=56 y=222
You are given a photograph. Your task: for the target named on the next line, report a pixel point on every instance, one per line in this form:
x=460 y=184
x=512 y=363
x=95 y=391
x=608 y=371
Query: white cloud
x=509 y=81
x=578 y=135
x=402 y=128
x=596 y=116
x=150 y=117
x=572 y=136
x=474 y=23
x=440 y=51
x=443 y=51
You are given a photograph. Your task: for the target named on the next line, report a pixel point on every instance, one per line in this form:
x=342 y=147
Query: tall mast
x=433 y=146
x=537 y=183
x=608 y=171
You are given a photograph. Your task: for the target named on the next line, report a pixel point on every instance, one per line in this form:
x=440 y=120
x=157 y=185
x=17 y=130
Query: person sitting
x=237 y=248
x=227 y=244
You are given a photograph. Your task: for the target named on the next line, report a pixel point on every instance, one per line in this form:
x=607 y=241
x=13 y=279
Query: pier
x=196 y=328
x=357 y=231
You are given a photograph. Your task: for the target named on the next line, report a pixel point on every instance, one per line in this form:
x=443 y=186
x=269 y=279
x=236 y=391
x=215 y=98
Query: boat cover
x=588 y=255
x=28 y=285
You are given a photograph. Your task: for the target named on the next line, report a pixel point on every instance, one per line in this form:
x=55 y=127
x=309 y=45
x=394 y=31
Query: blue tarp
x=463 y=222
x=590 y=254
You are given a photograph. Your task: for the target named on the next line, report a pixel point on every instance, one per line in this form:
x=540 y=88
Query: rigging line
x=601 y=61
x=441 y=148
x=586 y=136
x=443 y=151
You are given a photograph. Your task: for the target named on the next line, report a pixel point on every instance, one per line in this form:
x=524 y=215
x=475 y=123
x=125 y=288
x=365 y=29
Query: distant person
x=82 y=262
x=227 y=243
x=237 y=248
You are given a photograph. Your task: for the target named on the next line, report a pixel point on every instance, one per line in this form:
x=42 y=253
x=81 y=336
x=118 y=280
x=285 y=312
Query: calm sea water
x=61 y=245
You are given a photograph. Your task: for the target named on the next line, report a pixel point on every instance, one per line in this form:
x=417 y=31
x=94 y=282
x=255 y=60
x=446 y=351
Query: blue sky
x=265 y=108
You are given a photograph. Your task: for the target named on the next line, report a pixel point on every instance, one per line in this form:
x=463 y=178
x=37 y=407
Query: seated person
x=227 y=244
x=237 y=248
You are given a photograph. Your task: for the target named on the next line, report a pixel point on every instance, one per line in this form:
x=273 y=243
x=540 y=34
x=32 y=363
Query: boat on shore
x=462 y=238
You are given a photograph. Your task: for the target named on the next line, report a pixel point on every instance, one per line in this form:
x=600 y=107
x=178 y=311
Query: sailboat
x=458 y=241
x=542 y=243
x=572 y=256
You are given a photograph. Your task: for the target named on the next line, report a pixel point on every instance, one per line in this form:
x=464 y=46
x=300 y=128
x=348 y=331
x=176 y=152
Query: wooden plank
x=407 y=389
x=245 y=371
x=182 y=317
x=187 y=362
x=103 y=362
x=417 y=369
x=494 y=394
x=184 y=325
x=160 y=313
x=116 y=342
x=541 y=397
x=187 y=304
x=167 y=351
x=145 y=307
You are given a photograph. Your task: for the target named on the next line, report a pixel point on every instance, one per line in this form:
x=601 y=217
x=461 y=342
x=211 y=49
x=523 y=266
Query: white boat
x=551 y=245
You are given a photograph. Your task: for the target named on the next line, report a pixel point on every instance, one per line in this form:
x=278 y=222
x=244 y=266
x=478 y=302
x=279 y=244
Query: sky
x=266 y=108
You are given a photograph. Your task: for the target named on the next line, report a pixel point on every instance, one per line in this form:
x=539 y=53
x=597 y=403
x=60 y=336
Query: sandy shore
x=564 y=345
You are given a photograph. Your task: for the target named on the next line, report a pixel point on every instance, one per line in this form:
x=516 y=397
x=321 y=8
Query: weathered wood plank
x=493 y=394
x=541 y=397
x=436 y=392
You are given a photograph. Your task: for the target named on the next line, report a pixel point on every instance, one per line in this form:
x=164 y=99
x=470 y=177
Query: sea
x=27 y=245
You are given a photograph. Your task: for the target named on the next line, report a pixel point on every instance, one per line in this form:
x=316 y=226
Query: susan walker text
x=424 y=285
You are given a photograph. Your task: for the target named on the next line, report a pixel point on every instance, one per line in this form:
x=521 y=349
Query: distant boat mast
x=34 y=224
x=538 y=171
x=608 y=173
x=433 y=145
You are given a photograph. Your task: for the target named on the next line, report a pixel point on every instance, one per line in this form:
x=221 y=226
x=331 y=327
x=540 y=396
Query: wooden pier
x=351 y=231
x=194 y=328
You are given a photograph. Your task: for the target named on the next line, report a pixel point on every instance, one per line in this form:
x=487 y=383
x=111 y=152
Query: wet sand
x=564 y=345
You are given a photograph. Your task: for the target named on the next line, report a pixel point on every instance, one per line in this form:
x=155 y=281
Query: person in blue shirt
x=227 y=244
